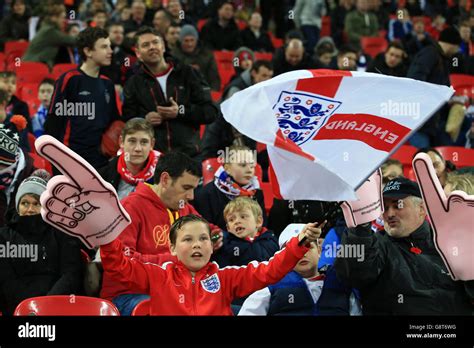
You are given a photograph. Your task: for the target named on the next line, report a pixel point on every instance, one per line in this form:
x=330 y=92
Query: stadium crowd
x=134 y=87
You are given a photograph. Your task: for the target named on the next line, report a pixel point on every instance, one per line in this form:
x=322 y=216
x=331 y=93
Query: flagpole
x=325 y=217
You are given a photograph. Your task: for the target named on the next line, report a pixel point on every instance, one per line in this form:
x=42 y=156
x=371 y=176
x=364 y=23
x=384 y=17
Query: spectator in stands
x=432 y=64
x=137 y=161
x=45 y=93
x=84 y=103
x=45 y=45
x=172 y=96
x=308 y=18
x=176 y=10
x=393 y=278
x=15 y=165
x=413 y=7
x=189 y=51
x=245 y=239
x=467 y=47
x=418 y=39
x=346 y=59
x=459 y=182
x=99 y=20
x=117 y=70
x=222 y=33
x=53 y=266
x=151 y=7
x=437 y=26
x=117 y=10
x=400 y=27
x=14 y=27
x=323 y=57
x=361 y=22
x=295 y=58
x=441 y=166
x=153 y=209
x=190 y=241
x=172 y=36
x=338 y=17
x=3 y=104
x=125 y=14
x=161 y=21
x=313 y=292
x=391 y=169
x=88 y=8
x=253 y=37
x=220 y=133
x=15 y=106
x=234 y=178
x=391 y=62
x=69 y=54
x=242 y=60
x=137 y=19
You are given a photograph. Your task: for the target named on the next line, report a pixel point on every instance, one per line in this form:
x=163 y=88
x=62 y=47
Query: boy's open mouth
x=196 y=254
x=240 y=229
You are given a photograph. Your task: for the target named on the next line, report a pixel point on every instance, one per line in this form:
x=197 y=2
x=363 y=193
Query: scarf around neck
x=144 y=175
x=226 y=184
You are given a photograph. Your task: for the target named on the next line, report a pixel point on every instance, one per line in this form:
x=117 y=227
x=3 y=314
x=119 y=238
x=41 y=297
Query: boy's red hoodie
x=147 y=237
x=174 y=291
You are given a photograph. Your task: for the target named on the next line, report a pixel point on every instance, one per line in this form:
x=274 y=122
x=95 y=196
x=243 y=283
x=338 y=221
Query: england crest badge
x=300 y=115
x=211 y=284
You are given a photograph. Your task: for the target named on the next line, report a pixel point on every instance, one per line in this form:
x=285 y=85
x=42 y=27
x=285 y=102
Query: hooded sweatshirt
x=147 y=238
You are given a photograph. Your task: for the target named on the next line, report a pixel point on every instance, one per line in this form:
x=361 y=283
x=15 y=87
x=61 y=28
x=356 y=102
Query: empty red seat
x=325 y=26
x=31 y=142
x=276 y=42
x=460 y=156
x=201 y=23
x=463 y=84
x=17 y=46
x=405 y=154
x=28 y=90
x=373 y=45
x=142 y=309
x=31 y=72
x=263 y=56
x=216 y=96
x=40 y=163
x=60 y=69
x=3 y=59
x=33 y=104
x=66 y=305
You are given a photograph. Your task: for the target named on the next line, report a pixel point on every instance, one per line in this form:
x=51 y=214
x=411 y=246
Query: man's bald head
x=294 y=51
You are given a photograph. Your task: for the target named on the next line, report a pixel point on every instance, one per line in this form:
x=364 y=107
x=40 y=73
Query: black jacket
x=379 y=66
x=239 y=252
x=210 y=203
x=216 y=37
x=280 y=65
x=14 y=27
x=395 y=281
x=142 y=94
x=110 y=174
x=261 y=44
x=56 y=269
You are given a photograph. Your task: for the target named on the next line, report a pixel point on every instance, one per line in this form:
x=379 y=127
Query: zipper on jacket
x=193 y=282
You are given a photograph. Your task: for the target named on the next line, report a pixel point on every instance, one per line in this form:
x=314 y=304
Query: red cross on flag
x=327 y=131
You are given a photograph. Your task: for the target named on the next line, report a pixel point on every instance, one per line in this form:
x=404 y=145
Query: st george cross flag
x=327 y=131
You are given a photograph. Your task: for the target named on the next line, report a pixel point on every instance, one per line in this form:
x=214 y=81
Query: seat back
x=142 y=309
x=373 y=45
x=31 y=72
x=60 y=69
x=460 y=156
x=405 y=154
x=66 y=305
x=41 y=163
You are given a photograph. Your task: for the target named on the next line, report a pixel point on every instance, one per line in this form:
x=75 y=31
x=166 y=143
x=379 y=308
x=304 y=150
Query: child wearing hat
x=48 y=262
x=304 y=290
x=15 y=165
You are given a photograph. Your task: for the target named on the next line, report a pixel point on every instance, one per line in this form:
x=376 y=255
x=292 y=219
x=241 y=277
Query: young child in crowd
x=245 y=239
x=235 y=178
x=193 y=285
x=304 y=290
x=45 y=92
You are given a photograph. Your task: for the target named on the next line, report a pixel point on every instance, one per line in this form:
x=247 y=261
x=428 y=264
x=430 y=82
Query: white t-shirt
x=162 y=78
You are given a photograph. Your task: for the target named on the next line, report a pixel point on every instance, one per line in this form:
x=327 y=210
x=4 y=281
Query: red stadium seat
x=66 y=305
x=17 y=46
x=276 y=42
x=3 y=59
x=405 y=154
x=463 y=84
x=216 y=96
x=209 y=167
x=33 y=104
x=267 y=195
x=31 y=142
x=241 y=24
x=142 y=309
x=225 y=66
x=41 y=163
x=201 y=23
x=28 y=90
x=263 y=56
x=31 y=72
x=60 y=69
x=373 y=45
x=325 y=26
x=460 y=156
x=409 y=173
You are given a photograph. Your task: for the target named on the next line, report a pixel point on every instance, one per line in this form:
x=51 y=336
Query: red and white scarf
x=144 y=175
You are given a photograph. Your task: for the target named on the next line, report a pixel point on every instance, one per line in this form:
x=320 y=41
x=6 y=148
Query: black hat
x=450 y=35
x=400 y=188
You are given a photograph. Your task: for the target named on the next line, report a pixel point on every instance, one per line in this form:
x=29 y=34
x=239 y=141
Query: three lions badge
x=211 y=284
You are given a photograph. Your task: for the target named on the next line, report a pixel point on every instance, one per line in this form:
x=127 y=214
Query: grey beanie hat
x=31 y=185
x=188 y=30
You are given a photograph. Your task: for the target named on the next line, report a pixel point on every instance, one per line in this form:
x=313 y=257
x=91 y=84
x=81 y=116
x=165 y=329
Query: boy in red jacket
x=193 y=285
